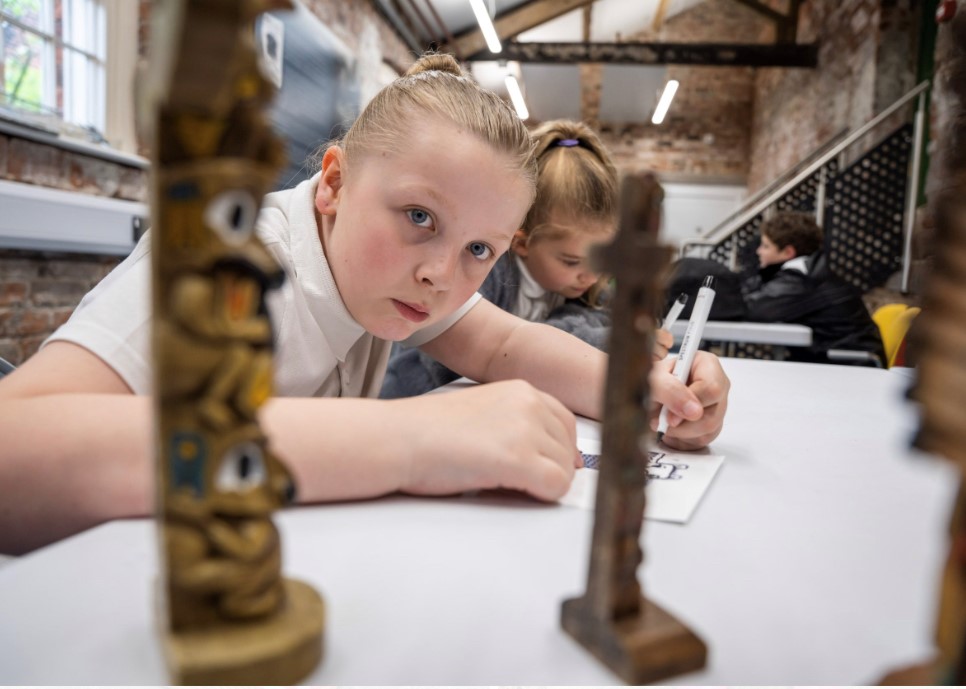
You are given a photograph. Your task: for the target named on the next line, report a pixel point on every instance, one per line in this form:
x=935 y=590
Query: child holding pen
x=546 y=276
x=389 y=242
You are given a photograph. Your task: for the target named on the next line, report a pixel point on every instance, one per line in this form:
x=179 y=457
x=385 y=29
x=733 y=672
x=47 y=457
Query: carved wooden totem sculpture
x=228 y=615
x=634 y=637
x=939 y=340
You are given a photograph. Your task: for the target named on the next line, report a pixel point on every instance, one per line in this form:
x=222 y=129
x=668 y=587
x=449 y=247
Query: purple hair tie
x=568 y=142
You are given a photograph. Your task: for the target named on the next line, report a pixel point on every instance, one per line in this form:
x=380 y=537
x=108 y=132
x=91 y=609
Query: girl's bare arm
x=78 y=446
x=490 y=344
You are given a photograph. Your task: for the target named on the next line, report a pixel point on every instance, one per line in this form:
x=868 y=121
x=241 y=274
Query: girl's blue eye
x=420 y=217
x=480 y=250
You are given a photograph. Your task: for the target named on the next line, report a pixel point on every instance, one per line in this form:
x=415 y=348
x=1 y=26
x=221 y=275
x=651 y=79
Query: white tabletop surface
x=787 y=334
x=813 y=559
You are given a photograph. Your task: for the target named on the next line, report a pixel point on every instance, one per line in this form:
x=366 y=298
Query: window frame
x=108 y=91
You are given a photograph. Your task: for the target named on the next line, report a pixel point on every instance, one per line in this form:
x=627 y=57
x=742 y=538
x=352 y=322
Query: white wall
x=691 y=210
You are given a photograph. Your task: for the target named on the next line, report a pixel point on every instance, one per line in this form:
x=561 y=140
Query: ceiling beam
x=422 y=20
x=512 y=22
x=442 y=24
x=659 y=14
x=711 y=54
x=408 y=23
x=410 y=41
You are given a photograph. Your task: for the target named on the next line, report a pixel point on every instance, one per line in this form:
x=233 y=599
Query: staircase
x=866 y=206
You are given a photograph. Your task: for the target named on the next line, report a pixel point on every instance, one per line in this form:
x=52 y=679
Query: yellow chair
x=893 y=321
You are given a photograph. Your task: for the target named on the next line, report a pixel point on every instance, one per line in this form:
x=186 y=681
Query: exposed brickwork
x=591 y=84
x=945 y=102
x=31 y=162
x=866 y=62
x=704 y=136
x=34 y=164
x=897 y=53
x=132 y=184
x=706 y=133
x=144 y=26
x=734 y=123
x=38 y=291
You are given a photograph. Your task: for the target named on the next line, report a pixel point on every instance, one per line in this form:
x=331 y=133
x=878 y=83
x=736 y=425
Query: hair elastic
x=568 y=142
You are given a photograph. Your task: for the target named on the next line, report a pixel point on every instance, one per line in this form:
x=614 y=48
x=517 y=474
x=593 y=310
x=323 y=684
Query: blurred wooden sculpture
x=939 y=339
x=631 y=635
x=228 y=615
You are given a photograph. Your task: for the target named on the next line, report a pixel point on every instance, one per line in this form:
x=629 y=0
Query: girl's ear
x=331 y=181
x=518 y=244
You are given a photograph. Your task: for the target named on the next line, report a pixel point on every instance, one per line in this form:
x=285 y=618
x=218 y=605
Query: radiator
x=43 y=219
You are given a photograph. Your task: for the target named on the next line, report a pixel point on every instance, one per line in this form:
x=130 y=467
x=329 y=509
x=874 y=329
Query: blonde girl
x=546 y=275
x=388 y=242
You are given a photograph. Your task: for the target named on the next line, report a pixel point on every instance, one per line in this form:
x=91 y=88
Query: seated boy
x=795 y=285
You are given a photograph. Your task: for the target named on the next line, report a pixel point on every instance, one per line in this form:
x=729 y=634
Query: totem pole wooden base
x=640 y=649
x=281 y=649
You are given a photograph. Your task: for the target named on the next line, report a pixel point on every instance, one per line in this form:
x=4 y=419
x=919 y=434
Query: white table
x=813 y=559
x=783 y=334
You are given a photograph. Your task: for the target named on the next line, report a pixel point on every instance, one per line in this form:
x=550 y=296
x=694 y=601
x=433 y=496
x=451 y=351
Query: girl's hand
x=499 y=435
x=663 y=341
x=696 y=412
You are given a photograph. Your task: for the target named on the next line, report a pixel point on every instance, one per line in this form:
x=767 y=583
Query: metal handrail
x=726 y=229
x=783 y=177
x=912 y=191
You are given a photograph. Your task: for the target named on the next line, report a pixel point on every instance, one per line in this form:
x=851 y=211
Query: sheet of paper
x=676 y=483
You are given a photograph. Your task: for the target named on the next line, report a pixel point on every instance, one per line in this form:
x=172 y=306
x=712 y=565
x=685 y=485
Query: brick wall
x=864 y=64
x=750 y=125
x=945 y=102
x=30 y=162
x=39 y=290
x=866 y=61
x=706 y=134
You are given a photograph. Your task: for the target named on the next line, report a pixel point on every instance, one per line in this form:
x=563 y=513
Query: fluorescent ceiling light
x=516 y=97
x=486 y=26
x=665 y=102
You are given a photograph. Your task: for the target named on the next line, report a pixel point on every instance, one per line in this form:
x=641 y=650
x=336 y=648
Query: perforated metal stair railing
x=862 y=215
x=865 y=207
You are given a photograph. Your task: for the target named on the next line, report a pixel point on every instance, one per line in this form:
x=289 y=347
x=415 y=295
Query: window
x=53 y=70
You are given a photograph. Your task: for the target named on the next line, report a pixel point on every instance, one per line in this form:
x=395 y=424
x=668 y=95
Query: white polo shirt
x=320 y=350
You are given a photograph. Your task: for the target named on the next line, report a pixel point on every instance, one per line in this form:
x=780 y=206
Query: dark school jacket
x=411 y=372
x=808 y=293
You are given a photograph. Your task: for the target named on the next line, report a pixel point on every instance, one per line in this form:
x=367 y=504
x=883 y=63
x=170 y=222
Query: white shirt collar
x=324 y=300
x=798 y=263
x=528 y=286
x=534 y=303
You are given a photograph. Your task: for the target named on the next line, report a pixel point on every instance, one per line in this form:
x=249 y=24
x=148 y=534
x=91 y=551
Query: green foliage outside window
x=22 y=65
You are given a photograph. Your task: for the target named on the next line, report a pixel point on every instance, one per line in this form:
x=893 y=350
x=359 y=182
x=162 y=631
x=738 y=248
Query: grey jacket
x=411 y=372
